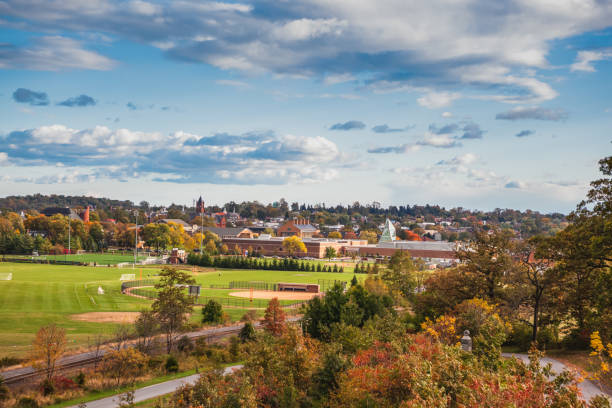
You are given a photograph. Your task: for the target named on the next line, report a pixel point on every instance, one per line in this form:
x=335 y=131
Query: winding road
x=588 y=388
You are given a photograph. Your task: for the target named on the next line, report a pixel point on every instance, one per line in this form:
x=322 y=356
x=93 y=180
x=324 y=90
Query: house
x=300 y=228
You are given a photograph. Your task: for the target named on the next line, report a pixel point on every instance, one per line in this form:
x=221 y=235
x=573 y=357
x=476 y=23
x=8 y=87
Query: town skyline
x=480 y=107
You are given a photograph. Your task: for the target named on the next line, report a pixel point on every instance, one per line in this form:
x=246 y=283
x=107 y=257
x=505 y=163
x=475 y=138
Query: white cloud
x=447 y=115
x=234 y=83
x=435 y=100
x=338 y=78
x=584 y=59
x=464 y=160
x=54 y=53
x=306 y=29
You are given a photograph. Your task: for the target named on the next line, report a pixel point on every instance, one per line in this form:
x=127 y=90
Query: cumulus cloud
x=81 y=100
x=253 y=157
x=489 y=51
x=524 y=133
x=584 y=59
x=535 y=113
x=23 y=95
x=350 y=125
x=386 y=129
x=53 y=53
x=435 y=100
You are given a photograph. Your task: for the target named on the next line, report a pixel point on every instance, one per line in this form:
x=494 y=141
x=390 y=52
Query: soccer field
x=38 y=295
x=41 y=294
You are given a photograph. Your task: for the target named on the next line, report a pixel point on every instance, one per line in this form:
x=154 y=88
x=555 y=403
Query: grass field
x=39 y=295
x=99 y=258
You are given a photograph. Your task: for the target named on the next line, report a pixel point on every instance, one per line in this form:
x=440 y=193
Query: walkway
x=152 y=391
x=588 y=388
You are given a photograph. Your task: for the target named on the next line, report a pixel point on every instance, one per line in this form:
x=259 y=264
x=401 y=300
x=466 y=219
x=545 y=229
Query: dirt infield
x=106 y=317
x=268 y=294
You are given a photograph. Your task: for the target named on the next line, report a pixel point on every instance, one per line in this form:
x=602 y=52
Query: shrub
x=247 y=333
x=62 y=383
x=47 y=387
x=80 y=379
x=9 y=361
x=212 y=312
x=184 y=345
x=27 y=402
x=249 y=316
x=171 y=364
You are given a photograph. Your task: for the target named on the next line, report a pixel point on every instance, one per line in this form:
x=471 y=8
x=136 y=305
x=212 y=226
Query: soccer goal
x=6 y=276
x=128 y=276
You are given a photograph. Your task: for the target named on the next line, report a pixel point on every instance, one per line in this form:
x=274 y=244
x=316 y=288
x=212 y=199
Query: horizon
x=466 y=104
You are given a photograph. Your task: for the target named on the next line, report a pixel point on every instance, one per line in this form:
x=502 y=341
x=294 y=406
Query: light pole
x=136 y=241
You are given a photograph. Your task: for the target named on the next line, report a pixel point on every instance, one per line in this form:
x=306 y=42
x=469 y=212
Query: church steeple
x=200 y=206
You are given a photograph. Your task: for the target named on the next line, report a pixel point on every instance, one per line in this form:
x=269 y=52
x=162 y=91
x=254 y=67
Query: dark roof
x=224 y=232
x=49 y=211
x=176 y=221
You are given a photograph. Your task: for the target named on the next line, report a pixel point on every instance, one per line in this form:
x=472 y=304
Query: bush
x=9 y=361
x=62 y=383
x=80 y=379
x=27 y=402
x=247 y=333
x=212 y=312
x=47 y=387
x=184 y=345
x=249 y=316
x=172 y=365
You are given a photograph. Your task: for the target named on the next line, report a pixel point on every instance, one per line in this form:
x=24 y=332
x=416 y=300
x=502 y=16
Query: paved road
x=152 y=391
x=588 y=388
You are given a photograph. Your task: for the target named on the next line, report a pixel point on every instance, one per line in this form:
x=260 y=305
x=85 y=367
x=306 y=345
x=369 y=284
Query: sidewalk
x=152 y=391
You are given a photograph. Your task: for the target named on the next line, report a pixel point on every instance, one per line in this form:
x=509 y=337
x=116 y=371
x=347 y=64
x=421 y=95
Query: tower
x=200 y=206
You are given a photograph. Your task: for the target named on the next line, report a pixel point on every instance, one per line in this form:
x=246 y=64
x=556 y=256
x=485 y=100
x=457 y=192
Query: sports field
x=99 y=258
x=40 y=294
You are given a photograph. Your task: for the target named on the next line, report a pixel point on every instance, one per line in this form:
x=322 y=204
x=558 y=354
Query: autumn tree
x=274 y=318
x=48 y=347
x=146 y=326
x=124 y=365
x=370 y=236
x=293 y=245
x=334 y=235
x=172 y=305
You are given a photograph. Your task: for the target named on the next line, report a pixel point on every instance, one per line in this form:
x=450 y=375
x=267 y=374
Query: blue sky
x=465 y=103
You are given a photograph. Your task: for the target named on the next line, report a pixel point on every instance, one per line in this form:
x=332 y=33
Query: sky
x=461 y=103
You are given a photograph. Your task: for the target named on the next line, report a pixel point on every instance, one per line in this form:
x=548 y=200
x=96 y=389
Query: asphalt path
x=588 y=388
x=152 y=391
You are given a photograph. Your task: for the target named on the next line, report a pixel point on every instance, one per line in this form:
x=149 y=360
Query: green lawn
x=42 y=294
x=99 y=258
x=39 y=294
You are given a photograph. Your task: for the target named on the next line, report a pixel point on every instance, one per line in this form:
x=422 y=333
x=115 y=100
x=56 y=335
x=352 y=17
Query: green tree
x=400 y=274
x=172 y=305
x=247 y=332
x=212 y=312
x=486 y=259
x=330 y=252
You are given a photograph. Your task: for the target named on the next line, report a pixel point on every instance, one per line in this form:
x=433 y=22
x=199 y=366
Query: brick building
x=300 y=228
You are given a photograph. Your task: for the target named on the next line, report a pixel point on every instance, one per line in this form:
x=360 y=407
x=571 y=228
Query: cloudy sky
x=477 y=104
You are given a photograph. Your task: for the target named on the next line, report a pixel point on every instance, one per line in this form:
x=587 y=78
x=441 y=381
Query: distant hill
x=39 y=201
